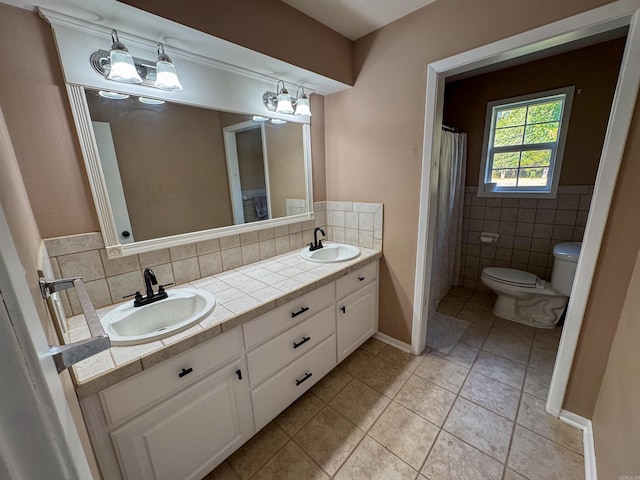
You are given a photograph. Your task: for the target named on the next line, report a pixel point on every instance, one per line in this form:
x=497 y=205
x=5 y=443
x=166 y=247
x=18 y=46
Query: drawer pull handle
x=185 y=371
x=299 y=312
x=303 y=379
x=239 y=374
x=302 y=342
x=344 y=309
x=361 y=278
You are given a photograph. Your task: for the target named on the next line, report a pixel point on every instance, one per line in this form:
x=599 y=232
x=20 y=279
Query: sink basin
x=184 y=307
x=331 y=252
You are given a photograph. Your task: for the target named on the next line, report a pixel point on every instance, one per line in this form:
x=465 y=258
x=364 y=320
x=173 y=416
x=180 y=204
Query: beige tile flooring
x=475 y=414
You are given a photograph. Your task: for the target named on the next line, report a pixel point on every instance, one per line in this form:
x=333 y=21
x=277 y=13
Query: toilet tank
x=564 y=266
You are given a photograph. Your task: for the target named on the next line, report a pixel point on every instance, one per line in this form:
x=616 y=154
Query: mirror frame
x=114 y=248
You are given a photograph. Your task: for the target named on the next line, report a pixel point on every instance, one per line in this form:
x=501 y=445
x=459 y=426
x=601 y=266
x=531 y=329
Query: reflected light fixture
x=113 y=95
x=150 y=101
x=122 y=67
x=277 y=121
x=259 y=118
x=281 y=102
x=166 y=76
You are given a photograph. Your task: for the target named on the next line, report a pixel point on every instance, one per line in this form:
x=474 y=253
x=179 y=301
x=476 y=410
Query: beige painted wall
x=616 y=420
x=318 y=167
x=593 y=70
x=38 y=115
x=286 y=165
x=25 y=234
x=172 y=165
x=268 y=26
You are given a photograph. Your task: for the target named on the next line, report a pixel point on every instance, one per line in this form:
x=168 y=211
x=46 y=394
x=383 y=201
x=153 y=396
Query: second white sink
x=331 y=252
x=184 y=307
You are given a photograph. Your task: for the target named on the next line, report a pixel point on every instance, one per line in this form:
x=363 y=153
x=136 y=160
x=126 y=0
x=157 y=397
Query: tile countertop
x=242 y=294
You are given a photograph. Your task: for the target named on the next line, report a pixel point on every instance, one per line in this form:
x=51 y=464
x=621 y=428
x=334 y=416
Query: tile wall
x=354 y=223
x=108 y=280
x=528 y=230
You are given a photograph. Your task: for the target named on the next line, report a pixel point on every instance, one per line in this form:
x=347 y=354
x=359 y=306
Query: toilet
x=527 y=299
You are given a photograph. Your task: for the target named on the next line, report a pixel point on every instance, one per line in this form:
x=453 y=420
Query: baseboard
x=586 y=426
x=405 y=347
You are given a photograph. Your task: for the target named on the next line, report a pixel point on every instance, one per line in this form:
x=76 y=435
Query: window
x=523 y=144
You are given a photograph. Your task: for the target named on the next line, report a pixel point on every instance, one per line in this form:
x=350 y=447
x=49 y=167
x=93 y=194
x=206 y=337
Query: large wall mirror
x=173 y=173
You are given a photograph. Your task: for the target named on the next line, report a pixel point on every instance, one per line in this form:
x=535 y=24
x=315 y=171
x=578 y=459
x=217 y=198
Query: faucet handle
x=137 y=295
x=161 y=287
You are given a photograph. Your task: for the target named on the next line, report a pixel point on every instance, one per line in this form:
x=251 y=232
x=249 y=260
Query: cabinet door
x=189 y=434
x=357 y=319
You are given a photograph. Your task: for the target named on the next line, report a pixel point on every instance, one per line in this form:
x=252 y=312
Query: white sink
x=184 y=307
x=331 y=252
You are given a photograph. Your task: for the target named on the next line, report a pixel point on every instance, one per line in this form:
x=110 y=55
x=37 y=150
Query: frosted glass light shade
x=122 y=67
x=284 y=102
x=302 y=106
x=166 y=76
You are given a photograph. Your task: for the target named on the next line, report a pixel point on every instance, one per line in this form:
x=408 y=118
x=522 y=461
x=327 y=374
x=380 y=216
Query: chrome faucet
x=149 y=281
x=317 y=244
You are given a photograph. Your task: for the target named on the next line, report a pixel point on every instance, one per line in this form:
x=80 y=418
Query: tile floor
x=475 y=414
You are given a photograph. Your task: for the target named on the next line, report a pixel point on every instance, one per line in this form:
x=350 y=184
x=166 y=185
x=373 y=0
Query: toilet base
x=536 y=311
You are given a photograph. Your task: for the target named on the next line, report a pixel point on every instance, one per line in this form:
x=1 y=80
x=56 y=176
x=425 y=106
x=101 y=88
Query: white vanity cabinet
x=356 y=308
x=179 y=419
x=182 y=417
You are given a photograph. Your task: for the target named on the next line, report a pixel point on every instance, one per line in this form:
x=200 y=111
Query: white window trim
x=506 y=192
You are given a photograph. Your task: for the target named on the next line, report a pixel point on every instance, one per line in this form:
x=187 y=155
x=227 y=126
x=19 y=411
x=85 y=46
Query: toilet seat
x=510 y=276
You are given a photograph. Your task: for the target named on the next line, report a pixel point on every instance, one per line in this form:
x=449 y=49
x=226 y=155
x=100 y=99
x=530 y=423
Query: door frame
x=233 y=169
x=593 y=22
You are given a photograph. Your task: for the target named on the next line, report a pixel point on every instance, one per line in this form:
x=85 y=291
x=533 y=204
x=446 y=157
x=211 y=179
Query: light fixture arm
x=116 y=44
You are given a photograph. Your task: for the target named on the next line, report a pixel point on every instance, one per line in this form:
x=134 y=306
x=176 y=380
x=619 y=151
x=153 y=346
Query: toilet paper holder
x=491 y=238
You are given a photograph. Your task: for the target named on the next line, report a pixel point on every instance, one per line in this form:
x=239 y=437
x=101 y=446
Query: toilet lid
x=511 y=276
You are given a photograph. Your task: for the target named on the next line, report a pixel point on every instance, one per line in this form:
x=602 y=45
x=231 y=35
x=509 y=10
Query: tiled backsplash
x=352 y=222
x=108 y=280
x=528 y=229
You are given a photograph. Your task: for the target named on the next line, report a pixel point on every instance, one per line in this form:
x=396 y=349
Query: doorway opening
x=540 y=41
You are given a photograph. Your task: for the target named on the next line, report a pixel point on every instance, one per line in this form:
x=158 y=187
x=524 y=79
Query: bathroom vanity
x=183 y=416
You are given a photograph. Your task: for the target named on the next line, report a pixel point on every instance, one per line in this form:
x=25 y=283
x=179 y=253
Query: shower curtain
x=447 y=249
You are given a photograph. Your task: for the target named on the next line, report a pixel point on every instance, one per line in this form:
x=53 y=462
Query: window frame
x=557 y=148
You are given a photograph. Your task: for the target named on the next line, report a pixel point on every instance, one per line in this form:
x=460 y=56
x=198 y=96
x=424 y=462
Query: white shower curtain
x=445 y=269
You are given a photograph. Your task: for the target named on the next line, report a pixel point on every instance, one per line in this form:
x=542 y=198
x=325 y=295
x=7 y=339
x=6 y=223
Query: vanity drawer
x=356 y=279
x=282 y=318
x=286 y=347
x=150 y=386
x=277 y=393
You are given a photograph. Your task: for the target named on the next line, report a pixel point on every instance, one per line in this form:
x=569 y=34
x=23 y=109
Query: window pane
x=506 y=160
x=536 y=158
x=533 y=177
x=508 y=136
x=545 y=112
x=505 y=177
x=541 y=133
x=511 y=117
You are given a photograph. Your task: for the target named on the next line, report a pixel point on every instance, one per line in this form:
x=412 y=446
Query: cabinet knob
x=361 y=278
x=185 y=371
x=343 y=309
x=239 y=374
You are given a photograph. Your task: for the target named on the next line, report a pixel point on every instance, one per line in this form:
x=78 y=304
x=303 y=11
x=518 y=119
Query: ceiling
x=356 y=18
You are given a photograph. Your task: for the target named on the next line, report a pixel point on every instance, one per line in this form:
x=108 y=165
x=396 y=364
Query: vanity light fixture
x=281 y=102
x=118 y=65
x=166 y=76
x=259 y=118
x=302 y=103
x=277 y=121
x=123 y=69
x=113 y=95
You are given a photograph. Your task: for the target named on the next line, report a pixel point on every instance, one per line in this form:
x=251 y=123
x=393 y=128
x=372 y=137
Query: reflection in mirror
x=172 y=169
